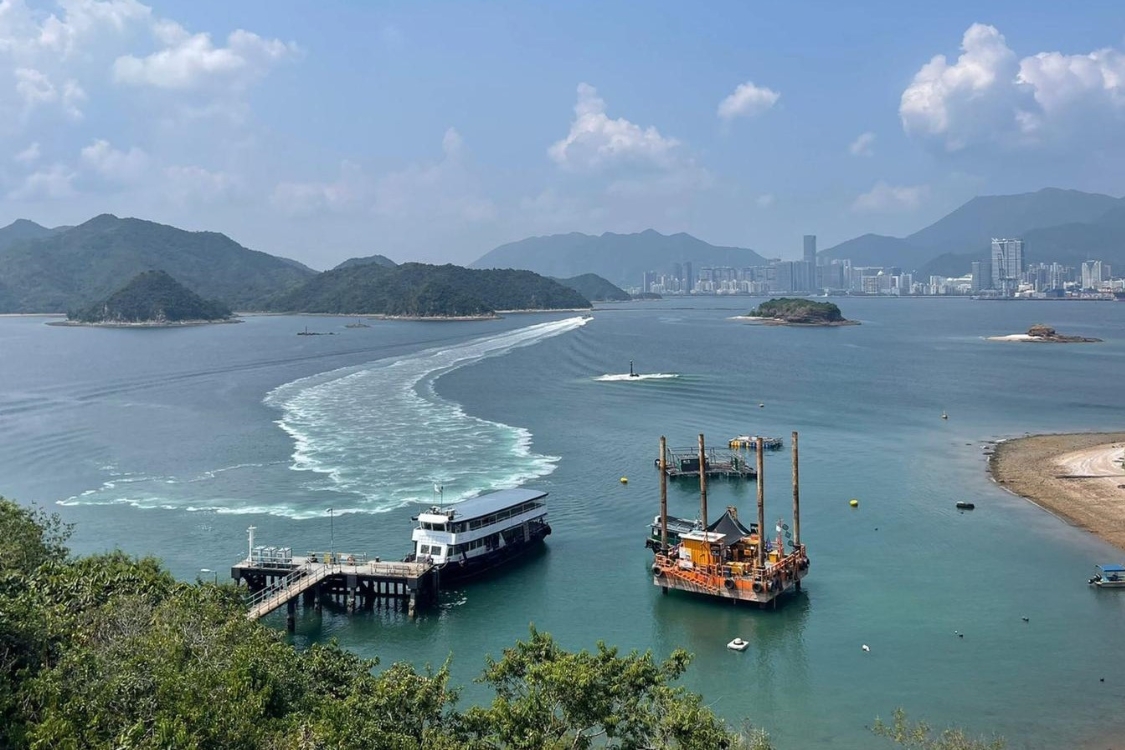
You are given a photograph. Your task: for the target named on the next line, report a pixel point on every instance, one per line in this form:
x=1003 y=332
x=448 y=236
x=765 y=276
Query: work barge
x=276 y=578
x=726 y=559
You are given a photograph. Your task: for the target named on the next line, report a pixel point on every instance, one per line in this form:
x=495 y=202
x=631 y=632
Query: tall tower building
x=810 y=249
x=689 y=279
x=1007 y=265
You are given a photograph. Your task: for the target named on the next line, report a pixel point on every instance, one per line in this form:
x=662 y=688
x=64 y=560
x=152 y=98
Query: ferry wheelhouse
x=476 y=535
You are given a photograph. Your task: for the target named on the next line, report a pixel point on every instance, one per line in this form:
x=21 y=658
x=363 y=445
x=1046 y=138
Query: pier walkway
x=353 y=580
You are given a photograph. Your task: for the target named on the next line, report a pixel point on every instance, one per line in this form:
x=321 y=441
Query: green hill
x=799 y=311
x=381 y=260
x=620 y=258
x=595 y=288
x=420 y=290
x=74 y=267
x=152 y=297
x=22 y=229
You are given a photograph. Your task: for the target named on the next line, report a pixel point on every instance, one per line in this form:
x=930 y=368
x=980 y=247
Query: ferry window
x=439 y=527
x=436 y=549
x=424 y=549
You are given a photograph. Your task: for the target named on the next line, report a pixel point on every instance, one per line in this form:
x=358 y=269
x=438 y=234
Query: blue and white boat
x=473 y=536
x=1109 y=577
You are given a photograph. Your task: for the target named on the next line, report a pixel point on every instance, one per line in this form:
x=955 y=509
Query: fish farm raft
x=726 y=558
x=675 y=463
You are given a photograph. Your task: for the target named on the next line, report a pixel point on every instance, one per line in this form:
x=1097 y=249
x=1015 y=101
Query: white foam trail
x=380 y=431
x=626 y=377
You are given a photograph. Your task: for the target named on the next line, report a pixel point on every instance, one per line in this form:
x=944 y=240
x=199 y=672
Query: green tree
x=549 y=698
x=920 y=736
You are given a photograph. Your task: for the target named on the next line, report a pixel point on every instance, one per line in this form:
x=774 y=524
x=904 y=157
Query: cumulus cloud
x=115 y=165
x=348 y=192
x=885 y=198
x=52 y=182
x=991 y=96
x=192 y=61
x=747 y=100
x=443 y=188
x=864 y=145
x=29 y=154
x=36 y=89
x=595 y=140
x=192 y=185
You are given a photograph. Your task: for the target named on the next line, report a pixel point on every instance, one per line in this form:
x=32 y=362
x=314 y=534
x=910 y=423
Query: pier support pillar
x=410 y=606
x=291 y=615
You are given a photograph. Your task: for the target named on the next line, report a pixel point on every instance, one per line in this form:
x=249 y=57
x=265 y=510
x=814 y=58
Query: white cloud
x=884 y=198
x=747 y=100
x=192 y=61
x=864 y=145
x=990 y=96
x=347 y=193
x=765 y=200
x=29 y=154
x=35 y=88
x=193 y=184
x=595 y=140
x=114 y=165
x=86 y=19
x=444 y=188
x=52 y=182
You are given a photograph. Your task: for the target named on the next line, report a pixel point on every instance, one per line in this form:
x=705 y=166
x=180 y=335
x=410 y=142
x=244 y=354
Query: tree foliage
x=595 y=288
x=152 y=297
x=110 y=651
x=919 y=736
x=798 y=310
x=421 y=290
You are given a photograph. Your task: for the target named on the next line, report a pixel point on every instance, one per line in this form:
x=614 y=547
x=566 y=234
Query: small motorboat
x=1109 y=577
x=964 y=505
x=738 y=645
x=632 y=373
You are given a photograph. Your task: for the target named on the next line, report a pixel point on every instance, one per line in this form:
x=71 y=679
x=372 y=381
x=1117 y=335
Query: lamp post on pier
x=331 y=533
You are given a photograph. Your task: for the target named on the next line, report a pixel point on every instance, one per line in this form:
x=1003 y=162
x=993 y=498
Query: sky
x=436 y=131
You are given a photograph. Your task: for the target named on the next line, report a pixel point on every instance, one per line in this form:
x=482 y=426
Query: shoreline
x=146 y=324
x=782 y=322
x=1075 y=476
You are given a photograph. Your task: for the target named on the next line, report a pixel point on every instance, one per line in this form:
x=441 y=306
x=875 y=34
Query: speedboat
x=738 y=645
x=1109 y=577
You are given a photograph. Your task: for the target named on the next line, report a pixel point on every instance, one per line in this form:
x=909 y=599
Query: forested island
x=595 y=288
x=799 y=311
x=152 y=298
x=419 y=290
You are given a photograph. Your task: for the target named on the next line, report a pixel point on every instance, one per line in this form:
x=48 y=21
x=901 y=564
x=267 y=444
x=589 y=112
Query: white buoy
x=866 y=647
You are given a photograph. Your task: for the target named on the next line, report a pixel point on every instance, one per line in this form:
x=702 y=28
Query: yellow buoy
x=624 y=480
x=854 y=503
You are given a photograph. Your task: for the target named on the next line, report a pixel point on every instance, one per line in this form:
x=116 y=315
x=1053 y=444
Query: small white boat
x=1109 y=577
x=738 y=644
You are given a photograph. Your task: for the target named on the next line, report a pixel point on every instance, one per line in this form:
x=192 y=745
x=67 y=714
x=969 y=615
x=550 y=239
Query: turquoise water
x=172 y=442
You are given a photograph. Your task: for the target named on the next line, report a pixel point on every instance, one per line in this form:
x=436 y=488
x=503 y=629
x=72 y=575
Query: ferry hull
x=459 y=571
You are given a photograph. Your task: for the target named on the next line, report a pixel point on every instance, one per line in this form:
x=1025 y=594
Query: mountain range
x=68 y=268
x=620 y=258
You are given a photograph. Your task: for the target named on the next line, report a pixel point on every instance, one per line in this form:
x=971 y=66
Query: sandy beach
x=1078 y=477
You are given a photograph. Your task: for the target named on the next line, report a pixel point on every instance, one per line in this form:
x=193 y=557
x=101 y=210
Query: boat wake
x=377 y=432
x=626 y=377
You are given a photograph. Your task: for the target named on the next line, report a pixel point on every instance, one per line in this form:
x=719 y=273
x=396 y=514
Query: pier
x=276 y=578
x=686 y=462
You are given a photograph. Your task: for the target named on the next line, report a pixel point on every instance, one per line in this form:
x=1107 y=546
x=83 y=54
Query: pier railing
x=270 y=598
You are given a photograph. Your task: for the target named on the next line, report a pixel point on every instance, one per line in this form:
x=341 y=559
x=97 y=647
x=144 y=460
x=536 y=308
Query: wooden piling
x=663 y=494
x=796 y=496
x=761 y=508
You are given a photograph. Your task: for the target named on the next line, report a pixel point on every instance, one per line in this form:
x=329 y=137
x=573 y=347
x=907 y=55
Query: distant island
x=1040 y=333
x=595 y=288
x=797 y=311
x=152 y=298
x=426 y=292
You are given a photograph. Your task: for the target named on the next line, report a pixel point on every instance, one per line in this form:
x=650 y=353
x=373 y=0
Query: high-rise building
x=1007 y=265
x=647 y=282
x=1093 y=274
x=982 y=275
x=689 y=280
x=810 y=249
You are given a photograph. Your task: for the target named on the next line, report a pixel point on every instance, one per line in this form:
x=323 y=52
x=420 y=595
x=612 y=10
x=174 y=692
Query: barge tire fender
x=729 y=583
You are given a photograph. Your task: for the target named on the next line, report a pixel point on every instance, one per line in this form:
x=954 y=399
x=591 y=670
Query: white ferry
x=470 y=537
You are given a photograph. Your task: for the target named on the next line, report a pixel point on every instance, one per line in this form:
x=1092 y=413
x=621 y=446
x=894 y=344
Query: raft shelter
x=675 y=463
x=727 y=559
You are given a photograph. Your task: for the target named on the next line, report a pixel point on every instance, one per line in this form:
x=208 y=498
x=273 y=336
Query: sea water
x=172 y=442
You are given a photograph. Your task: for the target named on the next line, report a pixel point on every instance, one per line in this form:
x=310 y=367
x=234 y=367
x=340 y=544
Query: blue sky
x=435 y=131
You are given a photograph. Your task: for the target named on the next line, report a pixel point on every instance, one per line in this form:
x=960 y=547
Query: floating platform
x=750 y=442
x=275 y=579
x=685 y=462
